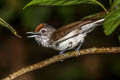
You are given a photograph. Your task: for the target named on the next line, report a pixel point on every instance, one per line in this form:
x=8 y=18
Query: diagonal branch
x=59 y=58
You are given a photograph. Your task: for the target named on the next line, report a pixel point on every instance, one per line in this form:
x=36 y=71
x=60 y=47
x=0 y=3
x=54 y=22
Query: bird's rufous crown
x=37 y=29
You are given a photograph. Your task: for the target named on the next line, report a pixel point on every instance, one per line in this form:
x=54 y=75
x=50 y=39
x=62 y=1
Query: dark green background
x=16 y=53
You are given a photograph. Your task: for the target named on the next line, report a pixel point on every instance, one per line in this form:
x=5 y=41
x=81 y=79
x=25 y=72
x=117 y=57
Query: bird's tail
x=91 y=26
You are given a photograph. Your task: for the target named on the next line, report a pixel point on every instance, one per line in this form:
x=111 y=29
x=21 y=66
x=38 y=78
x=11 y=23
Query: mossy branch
x=59 y=58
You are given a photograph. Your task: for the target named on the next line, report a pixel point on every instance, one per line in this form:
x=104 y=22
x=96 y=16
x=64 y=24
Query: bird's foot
x=62 y=52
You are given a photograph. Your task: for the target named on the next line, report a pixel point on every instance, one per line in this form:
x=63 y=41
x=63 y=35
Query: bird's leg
x=79 y=46
x=62 y=52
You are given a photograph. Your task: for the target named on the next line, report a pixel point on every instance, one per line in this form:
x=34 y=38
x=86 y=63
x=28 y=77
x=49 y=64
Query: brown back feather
x=61 y=32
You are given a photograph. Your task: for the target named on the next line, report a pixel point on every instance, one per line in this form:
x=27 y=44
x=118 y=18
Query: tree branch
x=59 y=58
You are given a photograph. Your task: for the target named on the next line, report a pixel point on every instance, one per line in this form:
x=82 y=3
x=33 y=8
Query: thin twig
x=59 y=58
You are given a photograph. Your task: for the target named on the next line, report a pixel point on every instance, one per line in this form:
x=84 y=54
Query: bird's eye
x=43 y=31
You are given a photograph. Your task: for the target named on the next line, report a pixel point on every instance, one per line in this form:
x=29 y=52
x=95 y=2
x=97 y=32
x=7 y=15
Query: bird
x=65 y=38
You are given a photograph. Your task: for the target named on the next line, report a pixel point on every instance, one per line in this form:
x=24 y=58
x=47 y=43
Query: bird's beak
x=32 y=34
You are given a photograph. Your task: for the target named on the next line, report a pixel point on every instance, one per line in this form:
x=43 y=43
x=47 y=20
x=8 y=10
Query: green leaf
x=112 y=21
x=59 y=2
x=116 y=3
x=5 y=24
x=64 y=3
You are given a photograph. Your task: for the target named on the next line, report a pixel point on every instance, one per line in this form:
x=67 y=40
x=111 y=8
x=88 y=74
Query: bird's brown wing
x=61 y=32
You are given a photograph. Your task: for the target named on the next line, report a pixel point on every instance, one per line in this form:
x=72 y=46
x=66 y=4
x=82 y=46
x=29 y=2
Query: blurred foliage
x=116 y=4
x=110 y=1
x=5 y=24
x=40 y=15
x=67 y=13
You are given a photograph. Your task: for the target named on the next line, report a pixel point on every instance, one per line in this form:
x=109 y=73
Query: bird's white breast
x=72 y=37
